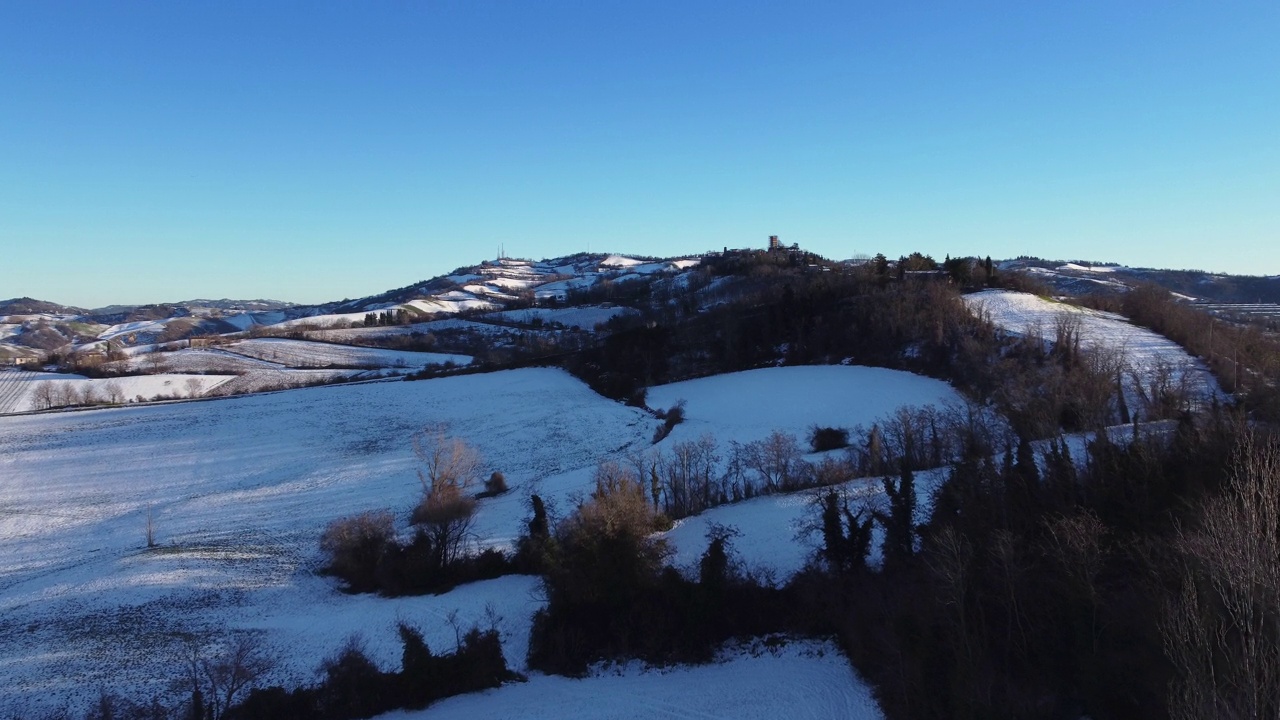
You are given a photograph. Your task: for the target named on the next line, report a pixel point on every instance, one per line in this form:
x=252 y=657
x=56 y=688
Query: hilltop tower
x=774 y=245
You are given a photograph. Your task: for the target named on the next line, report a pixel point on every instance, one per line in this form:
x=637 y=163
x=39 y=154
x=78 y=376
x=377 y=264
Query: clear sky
x=313 y=151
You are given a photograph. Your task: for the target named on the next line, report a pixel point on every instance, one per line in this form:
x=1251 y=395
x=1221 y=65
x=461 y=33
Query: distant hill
x=223 y=304
x=506 y=284
x=1084 y=278
x=31 y=306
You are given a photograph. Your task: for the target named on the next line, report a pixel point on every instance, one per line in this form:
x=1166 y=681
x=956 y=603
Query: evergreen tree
x=899 y=522
x=196 y=711
x=832 y=532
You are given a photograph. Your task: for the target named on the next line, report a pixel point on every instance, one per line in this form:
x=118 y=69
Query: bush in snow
x=670 y=418
x=495 y=485
x=354 y=687
x=354 y=546
x=822 y=439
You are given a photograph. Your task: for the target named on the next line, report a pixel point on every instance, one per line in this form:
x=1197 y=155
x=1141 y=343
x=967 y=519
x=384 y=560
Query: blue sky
x=314 y=151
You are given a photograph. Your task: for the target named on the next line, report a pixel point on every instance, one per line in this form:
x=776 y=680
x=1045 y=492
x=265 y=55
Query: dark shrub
x=355 y=545
x=822 y=439
x=495 y=485
x=672 y=417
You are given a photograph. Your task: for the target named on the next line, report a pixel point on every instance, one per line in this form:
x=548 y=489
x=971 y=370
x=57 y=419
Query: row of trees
x=352 y=686
x=398 y=316
x=48 y=394
x=690 y=476
x=1245 y=358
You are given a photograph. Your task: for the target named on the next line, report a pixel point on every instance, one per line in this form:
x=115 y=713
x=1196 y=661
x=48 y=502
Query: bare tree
x=776 y=459
x=1076 y=541
x=87 y=394
x=64 y=393
x=450 y=469
x=644 y=463
x=1190 y=638
x=734 y=480
x=911 y=433
x=43 y=396
x=354 y=545
x=1007 y=556
x=689 y=475
x=446 y=460
x=221 y=676
x=1067 y=328
x=950 y=559
x=1164 y=388
x=617 y=506
x=195 y=387
x=1226 y=646
x=113 y=392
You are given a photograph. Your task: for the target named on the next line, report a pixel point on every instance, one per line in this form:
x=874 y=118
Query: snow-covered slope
x=20 y=391
x=805 y=680
x=748 y=405
x=1144 y=353
x=304 y=353
x=778 y=534
x=239 y=490
x=582 y=317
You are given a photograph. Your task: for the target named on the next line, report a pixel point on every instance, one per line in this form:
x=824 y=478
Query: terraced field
x=308 y=354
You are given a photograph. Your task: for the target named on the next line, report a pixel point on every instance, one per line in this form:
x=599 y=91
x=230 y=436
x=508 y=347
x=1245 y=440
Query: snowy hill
x=240 y=489
x=39 y=330
x=1081 y=278
x=548 y=369
x=1145 y=356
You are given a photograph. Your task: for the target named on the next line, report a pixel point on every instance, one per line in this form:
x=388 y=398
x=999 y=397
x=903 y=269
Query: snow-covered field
x=251 y=374
x=748 y=405
x=305 y=353
x=279 y=378
x=19 y=390
x=340 y=335
x=1144 y=352
x=195 y=361
x=141 y=327
x=583 y=317
x=778 y=534
x=805 y=680
x=239 y=490
x=452 y=303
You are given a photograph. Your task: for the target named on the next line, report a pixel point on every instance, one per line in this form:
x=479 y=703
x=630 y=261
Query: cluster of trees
x=365 y=551
x=610 y=596
x=398 y=316
x=49 y=394
x=354 y=687
x=1135 y=579
x=1244 y=357
x=780 y=312
x=1132 y=584
x=690 y=476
